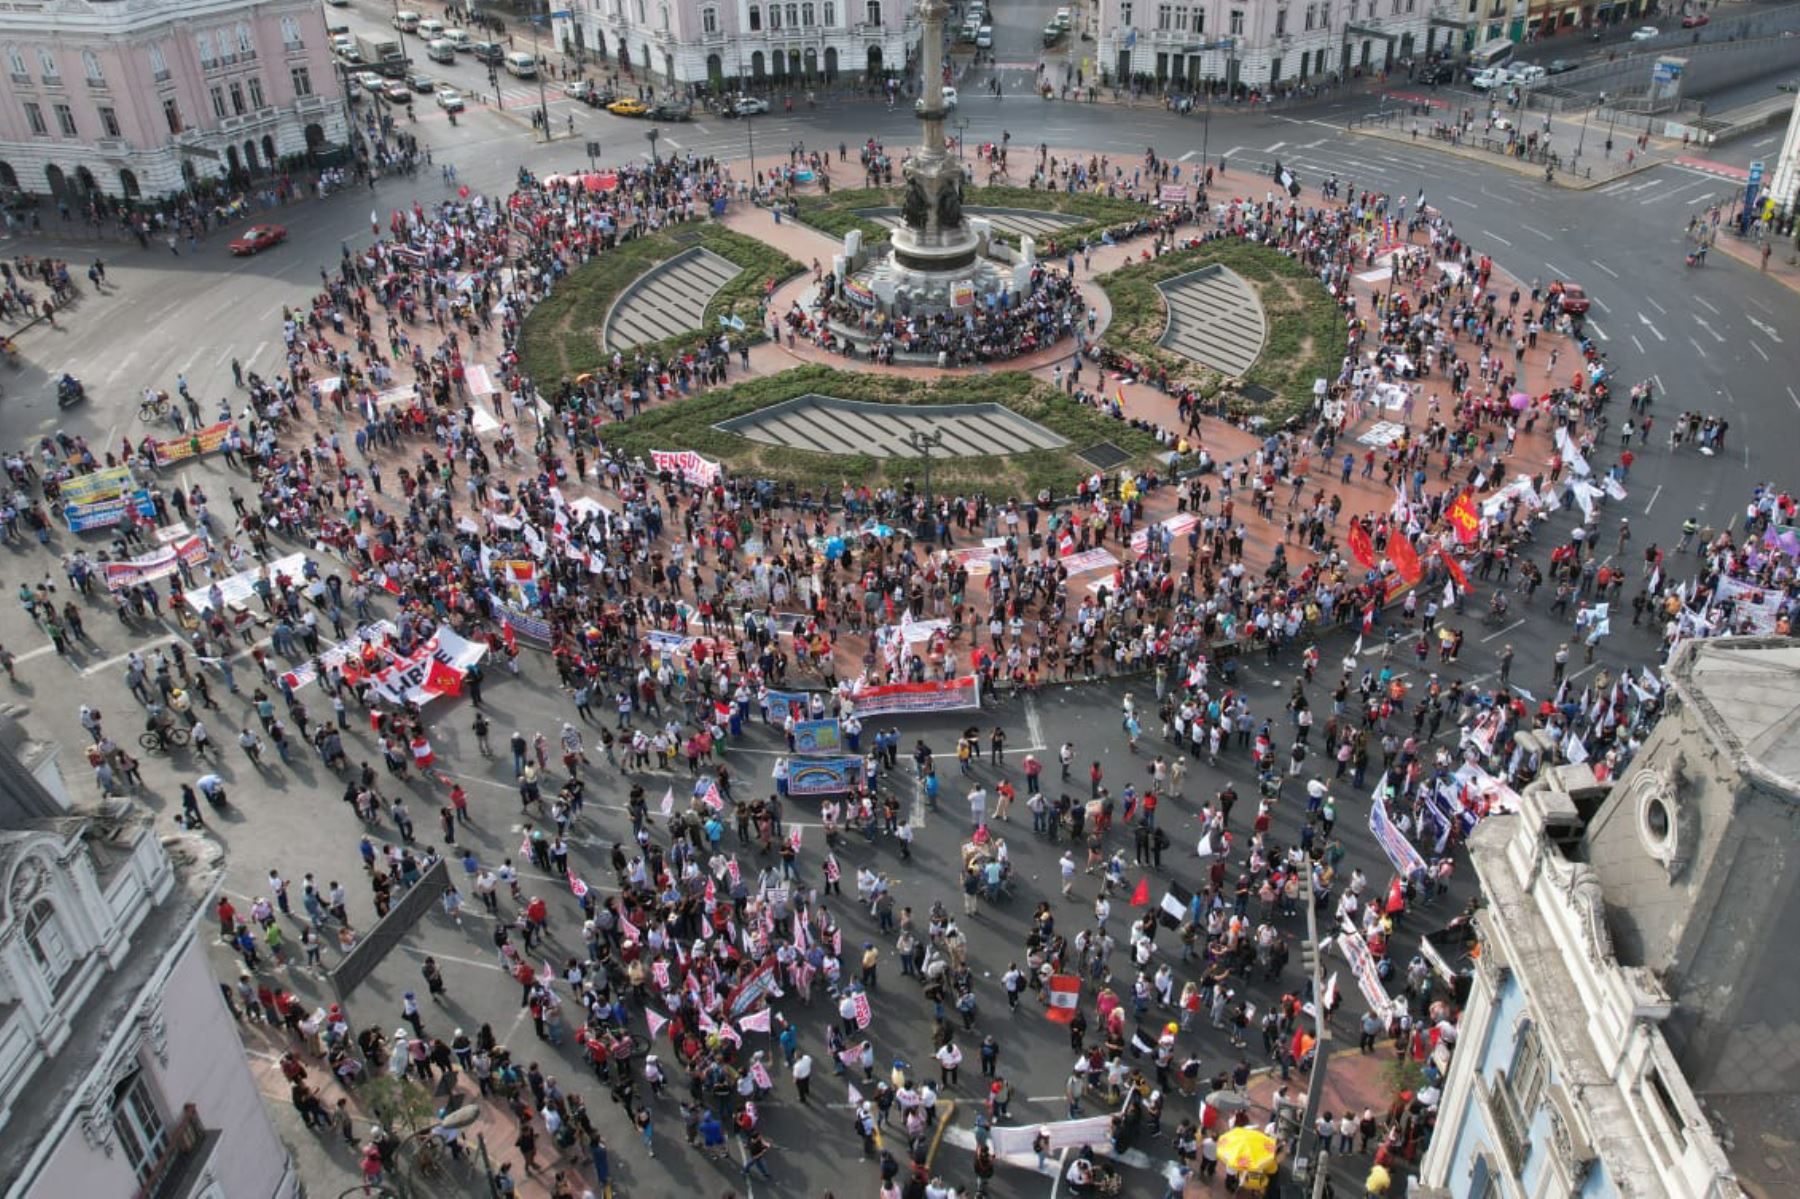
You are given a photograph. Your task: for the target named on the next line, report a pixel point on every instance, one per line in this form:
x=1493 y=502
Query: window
x=34 y=116
x=65 y=120
x=1312 y=16
x=218 y=102
x=793 y=16
x=1199 y=20
x=172 y=114
x=203 y=44
x=109 y=121
x=755 y=18
x=1181 y=20
x=237 y=98
x=159 y=68
x=16 y=63
x=254 y=83
x=872 y=12
x=830 y=11
x=43 y=928
x=47 y=61
x=302 y=81
x=1396 y=8
x=139 y=1124
x=1525 y=1081
x=1281 y=22
x=246 y=47
x=1125 y=15
x=709 y=20
x=642 y=18
x=290 y=34
x=774 y=16
x=1237 y=22
x=1164 y=17
x=90 y=66
x=662 y=15
x=809 y=15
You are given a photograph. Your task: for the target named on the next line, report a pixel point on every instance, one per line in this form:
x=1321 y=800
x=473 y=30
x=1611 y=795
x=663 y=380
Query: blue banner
x=824 y=776
x=103 y=514
x=524 y=624
x=782 y=702
x=818 y=737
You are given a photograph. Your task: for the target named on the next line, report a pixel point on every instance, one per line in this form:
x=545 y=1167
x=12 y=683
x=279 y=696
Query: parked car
x=1694 y=20
x=1645 y=33
x=1052 y=31
x=588 y=94
x=449 y=99
x=628 y=107
x=671 y=112
x=748 y=106
x=258 y=238
x=984 y=38
x=370 y=82
x=343 y=45
x=398 y=92
x=1560 y=66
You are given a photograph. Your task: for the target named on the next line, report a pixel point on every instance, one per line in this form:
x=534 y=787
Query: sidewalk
x=1782 y=265
x=1593 y=167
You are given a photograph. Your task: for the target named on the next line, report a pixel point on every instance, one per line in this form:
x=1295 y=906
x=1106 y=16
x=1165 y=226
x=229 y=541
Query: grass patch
x=561 y=338
x=1306 y=333
x=687 y=424
x=841 y=211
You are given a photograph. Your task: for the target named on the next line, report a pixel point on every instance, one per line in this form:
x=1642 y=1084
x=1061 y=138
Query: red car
x=1575 y=301
x=258 y=238
x=1694 y=20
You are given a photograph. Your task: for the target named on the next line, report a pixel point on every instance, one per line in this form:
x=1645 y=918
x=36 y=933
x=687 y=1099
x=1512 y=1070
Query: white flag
x=1206 y=849
x=668 y=802
x=855 y=1096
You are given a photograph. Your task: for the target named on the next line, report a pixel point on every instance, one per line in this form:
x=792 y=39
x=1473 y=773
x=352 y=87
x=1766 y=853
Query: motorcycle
x=69 y=391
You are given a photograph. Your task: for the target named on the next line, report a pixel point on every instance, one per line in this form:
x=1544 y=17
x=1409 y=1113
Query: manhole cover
x=1104 y=456
x=1255 y=393
x=684 y=237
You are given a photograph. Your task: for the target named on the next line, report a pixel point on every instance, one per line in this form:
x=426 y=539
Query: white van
x=459 y=38
x=521 y=65
x=440 y=50
x=431 y=28
x=406 y=20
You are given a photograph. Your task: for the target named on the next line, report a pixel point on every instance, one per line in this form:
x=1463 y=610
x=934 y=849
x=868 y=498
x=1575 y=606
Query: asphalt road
x=1717 y=339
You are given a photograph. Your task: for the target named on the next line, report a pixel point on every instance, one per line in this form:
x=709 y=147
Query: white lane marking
x=1653 y=496
x=1704 y=324
x=1767 y=329
x=1651 y=300
x=1496 y=237
x=1760 y=353
x=1704 y=303
x=1273 y=148
x=1637 y=343
x=1648 y=325
x=1604 y=267
x=1458 y=200
x=1539 y=232
x=1698 y=348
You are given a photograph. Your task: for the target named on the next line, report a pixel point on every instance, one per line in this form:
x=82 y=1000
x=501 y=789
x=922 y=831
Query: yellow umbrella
x=1248 y=1150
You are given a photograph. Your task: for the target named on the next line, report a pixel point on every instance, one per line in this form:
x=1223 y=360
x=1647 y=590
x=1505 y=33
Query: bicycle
x=153 y=410
x=172 y=738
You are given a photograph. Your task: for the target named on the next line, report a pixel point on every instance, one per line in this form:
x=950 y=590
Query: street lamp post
x=537 y=20
x=922 y=443
x=962 y=135
x=651 y=135
x=494 y=82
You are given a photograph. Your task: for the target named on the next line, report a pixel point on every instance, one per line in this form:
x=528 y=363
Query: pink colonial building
x=141 y=98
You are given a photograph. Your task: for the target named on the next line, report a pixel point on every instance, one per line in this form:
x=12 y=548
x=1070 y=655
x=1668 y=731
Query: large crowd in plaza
x=679 y=611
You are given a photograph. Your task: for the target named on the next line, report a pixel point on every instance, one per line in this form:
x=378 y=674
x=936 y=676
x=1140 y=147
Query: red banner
x=945 y=696
x=1465 y=518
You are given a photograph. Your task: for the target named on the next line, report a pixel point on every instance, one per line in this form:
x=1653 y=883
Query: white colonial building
x=141 y=98
x=1631 y=1028
x=121 y=1071
x=718 y=42
x=1259 y=43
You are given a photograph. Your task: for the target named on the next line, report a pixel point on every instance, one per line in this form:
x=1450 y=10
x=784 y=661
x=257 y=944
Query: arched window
x=16 y=62
x=159 y=66
x=245 y=45
x=774 y=16
x=755 y=18
x=90 y=65
x=290 y=34
x=662 y=14
x=793 y=16
x=49 y=945
x=709 y=20
x=643 y=18
x=830 y=14
x=47 y=61
x=203 y=44
x=808 y=15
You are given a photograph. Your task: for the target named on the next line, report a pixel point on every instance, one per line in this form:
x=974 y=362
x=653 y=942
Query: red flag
x=1140 y=898
x=1361 y=548
x=443 y=680
x=1456 y=571
x=1465 y=518
x=1301 y=1045
x=1064 y=994
x=507 y=635
x=1406 y=560
x=1396 y=900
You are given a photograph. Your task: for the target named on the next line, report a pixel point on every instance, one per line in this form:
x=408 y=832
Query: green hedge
x=840 y=212
x=561 y=337
x=1306 y=332
x=688 y=424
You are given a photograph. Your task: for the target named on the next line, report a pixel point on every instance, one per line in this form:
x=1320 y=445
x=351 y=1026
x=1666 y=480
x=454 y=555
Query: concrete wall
x=1710 y=65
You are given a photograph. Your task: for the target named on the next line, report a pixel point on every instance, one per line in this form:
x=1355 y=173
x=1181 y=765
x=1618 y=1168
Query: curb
x=1502 y=162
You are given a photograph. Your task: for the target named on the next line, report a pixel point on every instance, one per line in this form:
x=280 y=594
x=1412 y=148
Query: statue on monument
x=915 y=209
x=949 y=206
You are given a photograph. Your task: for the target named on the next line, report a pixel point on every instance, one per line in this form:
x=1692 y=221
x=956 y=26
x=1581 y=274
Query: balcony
x=1509 y=1128
x=177 y=1172
x=99 y=84
x=112 y=147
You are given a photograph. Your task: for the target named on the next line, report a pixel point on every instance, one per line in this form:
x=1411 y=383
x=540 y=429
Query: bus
x=1495 y=52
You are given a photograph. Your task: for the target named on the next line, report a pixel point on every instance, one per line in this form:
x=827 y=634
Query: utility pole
x=651 y=135
x=537 y=20
x=1309 y=1153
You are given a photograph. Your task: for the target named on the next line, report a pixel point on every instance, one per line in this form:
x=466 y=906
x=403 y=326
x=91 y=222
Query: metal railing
x=390 y=930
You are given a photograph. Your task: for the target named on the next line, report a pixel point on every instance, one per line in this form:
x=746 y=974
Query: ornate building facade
x=121 y=1072
x=141 y=98
x=1630 y=1030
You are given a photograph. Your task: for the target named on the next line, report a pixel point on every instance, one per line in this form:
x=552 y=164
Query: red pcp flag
x=1406 y=559
x=1361 y=548
x=443 y=680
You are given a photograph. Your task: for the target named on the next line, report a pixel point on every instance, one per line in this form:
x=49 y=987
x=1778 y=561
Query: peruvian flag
x=421 y=752
x=577 y=886
x=728 y=1033
x=511 y=638
x=657 y=1023
x=441 y=679
x=668 y=803
x=1396 y=898
x=864 y=1013
x=1064 y=992
x=794 y=838
x=755 y=1021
